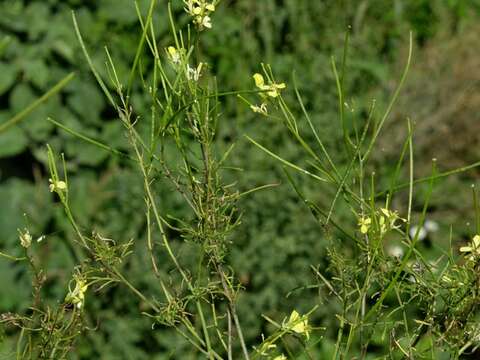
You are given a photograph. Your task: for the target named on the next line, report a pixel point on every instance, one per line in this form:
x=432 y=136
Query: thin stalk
x=410 y=189
x=140 y=46
x=90 y=63
x=89 y=139
x=22 y=114
x=405 y=259
x=346 y=138
x=315 y=133
x=350 y=166
x=285 y=162
x=437 y=176
x=233 y=311
x=135 y=290
x=392 y=100
x=205 y=329
x=165 y=240
x=230 y=335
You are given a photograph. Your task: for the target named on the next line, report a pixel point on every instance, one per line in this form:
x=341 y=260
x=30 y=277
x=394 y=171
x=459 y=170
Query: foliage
x=40 y=49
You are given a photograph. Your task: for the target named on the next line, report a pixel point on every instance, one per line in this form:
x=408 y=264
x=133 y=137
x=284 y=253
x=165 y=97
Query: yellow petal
x=465 y=249
x=61 y=185
x=364 y=229
x=172 y=51
x=262 y=109
x=385 y=212
x=259 y=82
x=273 y=93
x=476 y=241
x=383 y=228
x=207 y=22
x=299 y=328
x=294 y=316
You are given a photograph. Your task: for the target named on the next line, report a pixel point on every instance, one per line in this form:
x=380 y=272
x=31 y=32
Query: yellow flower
x=200 y=11
x=197 y=10
x=280 y=357
x=258 y=78
x=274 y=92
x=194 y=74
x=298 y=324
x=207 y=22
x=77 y=295
x=57 y=185
x=262 y=109
x=174 y=54
x=25 y=238
x=388 y=220
x=272 y=89
x=473 y=249
x=364 y=223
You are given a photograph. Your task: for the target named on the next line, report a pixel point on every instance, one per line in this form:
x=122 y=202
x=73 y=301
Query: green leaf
x=85 y=153
x=8 y=74
x=13 y=141
x=37 y=15
x=36 y=72
x=21 y=96
x=87 y=101
x=4 y=43
x=110 y=10
x=15 y=293
x=35 y=124
x=19 y=197
x=113 y=134
x=39 y=128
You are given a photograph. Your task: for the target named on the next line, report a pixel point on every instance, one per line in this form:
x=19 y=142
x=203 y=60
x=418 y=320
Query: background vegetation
x=278 y=239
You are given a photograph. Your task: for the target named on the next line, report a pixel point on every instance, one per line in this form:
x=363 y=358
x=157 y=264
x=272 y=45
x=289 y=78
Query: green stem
x=22 y=114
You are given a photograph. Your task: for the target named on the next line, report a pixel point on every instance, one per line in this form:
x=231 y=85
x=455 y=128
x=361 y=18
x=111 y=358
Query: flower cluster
x=174 y=55
x=270 y=90
x=193 y=74
x=57 y=186
x=298 y=324
x=265 y=348
x=200 y=10
x=77 y=295
x=262 y=109
x=25 y=238
x=387 y=221
x=472 y=251
x=364 y=224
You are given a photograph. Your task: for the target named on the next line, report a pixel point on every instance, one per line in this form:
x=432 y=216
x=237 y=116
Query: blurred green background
x=278 y=239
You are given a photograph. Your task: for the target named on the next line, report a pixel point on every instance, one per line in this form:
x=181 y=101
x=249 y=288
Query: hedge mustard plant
x=374 y=285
